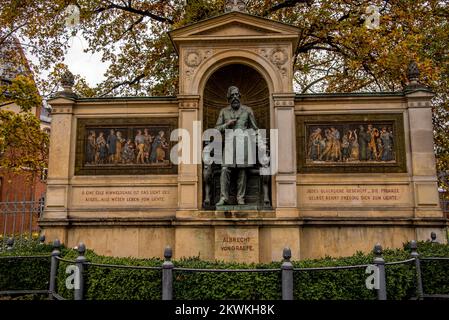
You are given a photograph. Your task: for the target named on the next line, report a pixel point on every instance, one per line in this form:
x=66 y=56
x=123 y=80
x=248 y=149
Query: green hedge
x=25 y=274
x=111 y=283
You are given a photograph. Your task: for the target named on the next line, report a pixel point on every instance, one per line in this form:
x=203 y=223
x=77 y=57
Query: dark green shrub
x=105 y=283
x=226 y=285
x=121 y=284
x=25 y=274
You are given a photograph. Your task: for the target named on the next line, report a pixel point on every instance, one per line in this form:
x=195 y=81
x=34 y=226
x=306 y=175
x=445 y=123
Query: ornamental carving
x=278 y=57
x=193 y=58
x=235 y=5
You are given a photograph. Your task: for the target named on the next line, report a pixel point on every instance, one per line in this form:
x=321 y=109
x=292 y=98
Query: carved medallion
x=235 y=5
x=278 y=57
x=192 y=59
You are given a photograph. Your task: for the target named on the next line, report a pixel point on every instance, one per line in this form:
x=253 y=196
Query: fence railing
x=18 y=218
x=287 y=271
x=445 y=206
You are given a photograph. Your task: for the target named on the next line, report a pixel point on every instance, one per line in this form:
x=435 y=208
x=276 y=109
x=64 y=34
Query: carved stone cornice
x=188 y=101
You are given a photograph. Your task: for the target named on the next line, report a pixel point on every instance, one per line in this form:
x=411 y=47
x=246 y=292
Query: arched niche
x=253 y=88
x=256 y=95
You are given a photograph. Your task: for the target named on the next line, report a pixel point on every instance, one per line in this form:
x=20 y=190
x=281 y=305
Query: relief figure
x=158 y=148
x=387 y=141
x=111 y=143
x=373 y=143
x=140 y=146
x=91 y=148
x=102 y=150
x=119 y=147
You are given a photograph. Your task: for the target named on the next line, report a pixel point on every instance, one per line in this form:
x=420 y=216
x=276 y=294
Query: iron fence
x=18 y=218
x=445 y=206
x=286 y=270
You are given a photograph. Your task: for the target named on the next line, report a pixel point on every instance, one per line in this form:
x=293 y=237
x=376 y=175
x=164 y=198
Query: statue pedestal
x=237 y=244
x=237 y=207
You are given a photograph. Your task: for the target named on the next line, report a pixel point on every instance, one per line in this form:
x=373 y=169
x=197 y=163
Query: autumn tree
x=23 y=145
x=336 y=52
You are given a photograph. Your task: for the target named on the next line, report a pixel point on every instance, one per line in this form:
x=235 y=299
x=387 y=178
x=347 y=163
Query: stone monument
x=353 y=169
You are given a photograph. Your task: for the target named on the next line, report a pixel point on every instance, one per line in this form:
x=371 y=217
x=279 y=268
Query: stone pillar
x=424 y=179
x=188 y=189
x=60 y=155
x=285 y=180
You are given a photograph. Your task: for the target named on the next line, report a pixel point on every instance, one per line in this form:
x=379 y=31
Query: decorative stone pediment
x=243 y=38
x=234 y=26
x=237 y=29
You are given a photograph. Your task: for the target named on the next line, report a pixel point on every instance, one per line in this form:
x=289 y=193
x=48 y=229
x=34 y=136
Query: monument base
x=240 y=207
x=249 y=237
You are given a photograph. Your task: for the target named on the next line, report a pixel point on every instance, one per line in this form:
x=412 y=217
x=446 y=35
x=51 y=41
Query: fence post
x=415 y=255
x=10 y=244
x=80 y=261
x=167 y=275
x=380 y=264
x=287 y=275
x=433 y=237
x=54 y=267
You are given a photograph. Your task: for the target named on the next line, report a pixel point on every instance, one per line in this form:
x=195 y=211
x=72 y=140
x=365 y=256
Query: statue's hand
x=231 y=122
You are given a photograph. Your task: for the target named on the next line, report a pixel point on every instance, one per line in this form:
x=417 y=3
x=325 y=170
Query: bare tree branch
x=132 y=26
x=285 y=4
x=129 y=8
x=3 y=38
x=123 y=83
x=311 y=84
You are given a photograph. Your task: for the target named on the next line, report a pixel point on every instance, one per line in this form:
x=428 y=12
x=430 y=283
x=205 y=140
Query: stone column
x=285 y=180
x=424 y=177
x=55 y=213
x=188 y=173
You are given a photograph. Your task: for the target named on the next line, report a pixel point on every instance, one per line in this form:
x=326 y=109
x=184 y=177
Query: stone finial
x=413 y=72
x=67 y=80
x=67 y=83
x=413 y=78
x=235 y=5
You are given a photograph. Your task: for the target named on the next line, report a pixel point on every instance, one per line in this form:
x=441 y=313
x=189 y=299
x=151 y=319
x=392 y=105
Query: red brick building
x=19 y=193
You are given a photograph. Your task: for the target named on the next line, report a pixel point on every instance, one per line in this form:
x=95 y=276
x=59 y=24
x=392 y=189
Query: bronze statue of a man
x=233 y=117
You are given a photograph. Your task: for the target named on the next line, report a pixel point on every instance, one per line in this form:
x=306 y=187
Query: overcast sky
x=87 y=65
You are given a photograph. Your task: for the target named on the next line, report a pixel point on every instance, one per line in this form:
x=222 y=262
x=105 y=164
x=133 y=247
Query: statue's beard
x=235 y=103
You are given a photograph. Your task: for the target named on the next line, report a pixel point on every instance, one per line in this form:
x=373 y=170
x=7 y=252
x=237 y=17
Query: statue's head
x=234 y=96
